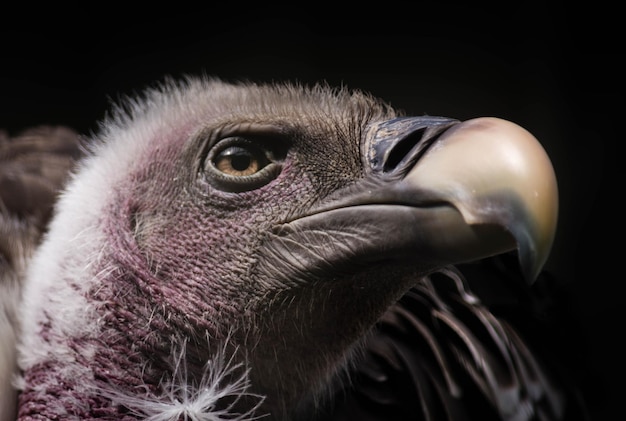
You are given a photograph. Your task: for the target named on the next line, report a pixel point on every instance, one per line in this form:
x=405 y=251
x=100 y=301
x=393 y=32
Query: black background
x=554 y=70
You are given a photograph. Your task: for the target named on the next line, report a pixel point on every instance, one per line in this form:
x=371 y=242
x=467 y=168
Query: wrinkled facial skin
x=191 y=257
x=202 y=246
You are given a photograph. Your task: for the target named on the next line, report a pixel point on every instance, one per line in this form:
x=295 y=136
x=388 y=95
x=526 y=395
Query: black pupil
x=240 y=159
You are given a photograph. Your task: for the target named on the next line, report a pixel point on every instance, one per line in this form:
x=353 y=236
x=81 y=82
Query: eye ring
x=236 y=164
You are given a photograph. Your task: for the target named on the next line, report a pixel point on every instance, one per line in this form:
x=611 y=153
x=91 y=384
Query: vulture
x=240 y=251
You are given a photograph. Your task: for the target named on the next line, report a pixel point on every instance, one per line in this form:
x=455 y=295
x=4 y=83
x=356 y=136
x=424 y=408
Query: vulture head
x=228 y=251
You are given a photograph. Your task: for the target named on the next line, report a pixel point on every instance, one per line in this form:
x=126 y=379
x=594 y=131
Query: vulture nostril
x=394 y=146
x=402 y=150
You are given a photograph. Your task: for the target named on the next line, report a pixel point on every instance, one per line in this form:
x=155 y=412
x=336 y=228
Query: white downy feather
x=181 y=399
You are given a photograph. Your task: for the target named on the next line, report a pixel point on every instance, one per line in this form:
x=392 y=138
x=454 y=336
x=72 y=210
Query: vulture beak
x=485 y=186
x=436 y=192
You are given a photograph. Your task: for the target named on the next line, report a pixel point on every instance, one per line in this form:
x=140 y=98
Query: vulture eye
x=238 y=161
x=237 y=164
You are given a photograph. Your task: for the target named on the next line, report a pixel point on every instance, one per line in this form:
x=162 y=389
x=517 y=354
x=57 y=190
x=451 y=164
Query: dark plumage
x=231 y=251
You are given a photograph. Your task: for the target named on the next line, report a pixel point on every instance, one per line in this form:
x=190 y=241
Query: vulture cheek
x=190 y=263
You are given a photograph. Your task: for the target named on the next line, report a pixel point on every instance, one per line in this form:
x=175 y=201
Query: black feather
x=441 y=354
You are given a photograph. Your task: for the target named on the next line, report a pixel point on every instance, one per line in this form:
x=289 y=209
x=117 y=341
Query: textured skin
x=145 y=259
x=158 y=277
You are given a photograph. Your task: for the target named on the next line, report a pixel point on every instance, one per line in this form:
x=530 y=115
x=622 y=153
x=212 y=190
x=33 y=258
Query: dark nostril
x=402 y=149
x=393 y=146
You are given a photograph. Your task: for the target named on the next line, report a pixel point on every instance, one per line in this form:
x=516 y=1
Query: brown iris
x=239 y=161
